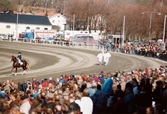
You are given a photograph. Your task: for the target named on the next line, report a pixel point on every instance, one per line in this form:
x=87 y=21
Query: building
x=58 y=20
x=16 y=23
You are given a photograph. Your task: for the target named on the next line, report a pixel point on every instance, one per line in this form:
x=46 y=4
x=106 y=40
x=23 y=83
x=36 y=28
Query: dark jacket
x=99 y=100
x=143 y=96
x=120 y=107
x=19 y=56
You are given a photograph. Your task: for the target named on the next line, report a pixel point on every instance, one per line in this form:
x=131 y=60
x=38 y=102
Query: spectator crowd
x=142 y=91
x=155 y=49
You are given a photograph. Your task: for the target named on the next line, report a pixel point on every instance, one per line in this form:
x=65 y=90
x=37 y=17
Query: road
x=48 y=60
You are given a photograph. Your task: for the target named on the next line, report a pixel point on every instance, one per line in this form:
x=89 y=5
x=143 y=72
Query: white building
x=16 y=23
x=58 y=20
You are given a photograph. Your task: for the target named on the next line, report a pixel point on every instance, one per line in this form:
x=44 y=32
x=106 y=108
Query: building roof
x=52 y=16
x=24 y=19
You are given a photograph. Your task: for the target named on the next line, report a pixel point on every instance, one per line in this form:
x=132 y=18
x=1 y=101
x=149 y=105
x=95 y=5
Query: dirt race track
x=49 y=60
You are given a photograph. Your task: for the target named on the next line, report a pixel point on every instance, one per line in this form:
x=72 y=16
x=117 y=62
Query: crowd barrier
x=60 y=43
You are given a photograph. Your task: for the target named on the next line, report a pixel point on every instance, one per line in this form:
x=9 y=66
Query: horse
x=16 y=65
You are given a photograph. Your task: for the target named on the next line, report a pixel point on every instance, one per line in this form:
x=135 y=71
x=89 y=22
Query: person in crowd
x=15 y=110
x=13 y=97
x=135 y=86
x=120 y=106
x=62 y=81
x=140 y=97
x=108 y=46
x=74 y=107
x=86 y=103
x=101 y=77
x=50 y=101
x=164 y=99
x=107 y=87
x=99 y=101
x=90 y=90
x=78 y=96
x=158 y=92
x=117 y=91
x=148 y=86
x=83 y=86
x=25 y=104
x=128 y=99
x=6 y=108
x=24 y=86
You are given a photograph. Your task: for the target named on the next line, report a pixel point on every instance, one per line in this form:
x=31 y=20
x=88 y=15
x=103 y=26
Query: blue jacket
x=62 y=81
x=90 y=90
x=101 y=78
x=107 y=87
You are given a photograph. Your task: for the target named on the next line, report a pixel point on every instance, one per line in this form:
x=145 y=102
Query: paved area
x=48 y=60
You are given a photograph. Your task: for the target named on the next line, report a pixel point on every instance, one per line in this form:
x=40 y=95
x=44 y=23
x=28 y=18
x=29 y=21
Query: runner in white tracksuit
x=100 y=58
x=106 y=56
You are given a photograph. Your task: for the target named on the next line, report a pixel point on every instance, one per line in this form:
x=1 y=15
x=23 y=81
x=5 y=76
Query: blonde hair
x=6 y=106
x=15 y=110
x=86 y=92
x=78 y=95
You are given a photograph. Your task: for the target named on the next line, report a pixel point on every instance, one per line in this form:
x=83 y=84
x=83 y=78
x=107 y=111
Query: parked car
x=39 y=40
x=49 y=40
x=59 y=37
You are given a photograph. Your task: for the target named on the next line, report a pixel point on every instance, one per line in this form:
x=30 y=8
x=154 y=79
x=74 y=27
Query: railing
x=60 y=43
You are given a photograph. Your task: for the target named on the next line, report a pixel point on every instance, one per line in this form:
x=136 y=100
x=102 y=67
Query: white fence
x=60 y=43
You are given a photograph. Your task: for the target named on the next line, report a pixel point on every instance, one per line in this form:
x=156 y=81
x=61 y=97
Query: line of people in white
x=103 y=58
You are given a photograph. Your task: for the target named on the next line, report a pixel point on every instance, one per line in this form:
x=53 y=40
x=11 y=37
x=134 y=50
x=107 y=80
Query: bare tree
x=5 y=5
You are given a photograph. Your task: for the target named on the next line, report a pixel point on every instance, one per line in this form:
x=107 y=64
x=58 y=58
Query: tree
x=5 y=5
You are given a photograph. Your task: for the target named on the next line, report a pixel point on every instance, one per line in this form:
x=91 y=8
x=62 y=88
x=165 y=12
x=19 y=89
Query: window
x=37 y=28
x=7 y=26
x=53 y=21
x=45 y=28
x=27 y=28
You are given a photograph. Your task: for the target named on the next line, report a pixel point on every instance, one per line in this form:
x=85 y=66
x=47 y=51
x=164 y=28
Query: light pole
x=123 y=35
x=150 y=16
x=17 y=19
x=164 y=29
x=73 y=23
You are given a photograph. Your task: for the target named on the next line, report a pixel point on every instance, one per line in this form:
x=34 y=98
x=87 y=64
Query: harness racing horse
x=16 y=65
